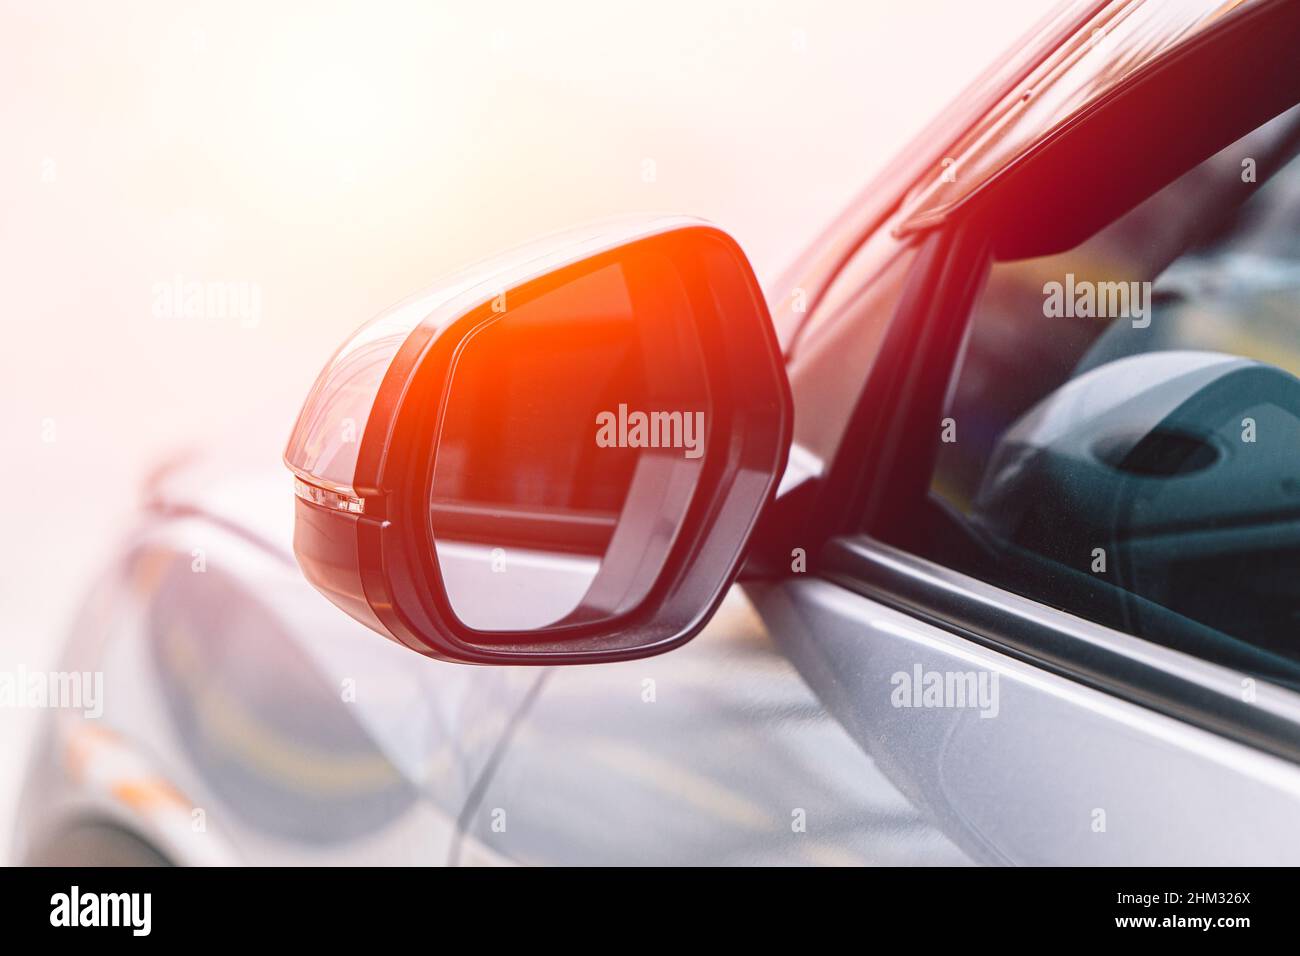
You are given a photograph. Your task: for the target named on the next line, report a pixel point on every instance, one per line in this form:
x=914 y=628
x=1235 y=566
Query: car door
x=715 y=754
x=1053 y=602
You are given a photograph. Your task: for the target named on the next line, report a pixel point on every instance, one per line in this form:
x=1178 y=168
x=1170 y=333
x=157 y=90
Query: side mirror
x=558 y=456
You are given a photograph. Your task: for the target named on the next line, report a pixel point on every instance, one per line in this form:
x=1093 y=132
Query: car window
x=1121 y=438
x=840 y=344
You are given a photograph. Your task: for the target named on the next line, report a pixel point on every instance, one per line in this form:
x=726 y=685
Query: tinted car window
x=1122 y=435
x=837 y=351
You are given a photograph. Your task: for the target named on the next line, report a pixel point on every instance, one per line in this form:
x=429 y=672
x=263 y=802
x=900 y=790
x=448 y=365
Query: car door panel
x=717 y=753
x=1054 y=772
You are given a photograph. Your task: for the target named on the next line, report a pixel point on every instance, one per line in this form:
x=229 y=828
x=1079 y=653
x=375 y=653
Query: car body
x=252 y=723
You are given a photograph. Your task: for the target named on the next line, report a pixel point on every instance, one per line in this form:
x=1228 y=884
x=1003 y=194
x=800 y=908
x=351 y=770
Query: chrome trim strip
x=1158 y=677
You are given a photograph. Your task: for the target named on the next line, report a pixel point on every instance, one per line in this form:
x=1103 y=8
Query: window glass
x=832 y=360
x=1122 y=436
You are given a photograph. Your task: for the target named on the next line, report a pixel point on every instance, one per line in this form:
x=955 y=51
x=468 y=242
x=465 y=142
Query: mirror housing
x=452 y=438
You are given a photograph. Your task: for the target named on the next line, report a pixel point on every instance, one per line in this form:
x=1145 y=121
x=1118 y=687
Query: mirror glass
x=573 y=437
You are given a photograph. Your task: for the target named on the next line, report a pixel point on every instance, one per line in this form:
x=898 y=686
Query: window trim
x=872 y=483
x=1160 y=678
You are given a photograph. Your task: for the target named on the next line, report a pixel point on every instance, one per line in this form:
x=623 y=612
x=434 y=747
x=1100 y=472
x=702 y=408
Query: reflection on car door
x=717 y=753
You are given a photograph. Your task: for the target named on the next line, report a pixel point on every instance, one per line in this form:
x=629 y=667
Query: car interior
x=1138 y=469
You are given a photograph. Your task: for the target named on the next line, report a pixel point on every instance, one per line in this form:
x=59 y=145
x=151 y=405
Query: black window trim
x=1157 y=677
